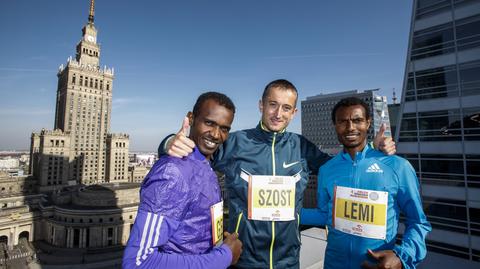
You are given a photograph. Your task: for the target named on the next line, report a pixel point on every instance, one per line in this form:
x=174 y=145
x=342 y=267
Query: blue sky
x=165 y=53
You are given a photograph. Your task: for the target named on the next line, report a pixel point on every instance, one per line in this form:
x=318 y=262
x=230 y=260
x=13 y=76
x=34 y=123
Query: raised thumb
x=185 y=126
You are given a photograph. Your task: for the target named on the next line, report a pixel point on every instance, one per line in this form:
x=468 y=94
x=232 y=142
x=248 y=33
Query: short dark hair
x=351 y=101
x=279 y=83
x=220 y=98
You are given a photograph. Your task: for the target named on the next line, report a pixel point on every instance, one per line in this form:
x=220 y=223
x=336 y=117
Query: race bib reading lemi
x=216 y=212
x=271 y=198
x=360 y=212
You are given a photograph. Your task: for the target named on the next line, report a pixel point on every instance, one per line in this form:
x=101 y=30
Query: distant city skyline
x=166 y=54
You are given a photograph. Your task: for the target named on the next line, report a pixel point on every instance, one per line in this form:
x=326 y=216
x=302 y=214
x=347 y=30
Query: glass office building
x=439 y=126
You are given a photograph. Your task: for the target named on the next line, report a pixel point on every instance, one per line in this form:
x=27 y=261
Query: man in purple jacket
x=180 y=216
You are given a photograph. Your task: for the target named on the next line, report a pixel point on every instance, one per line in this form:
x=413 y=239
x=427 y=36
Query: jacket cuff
x=228 y=256
x=404 y=256
x=162 y=151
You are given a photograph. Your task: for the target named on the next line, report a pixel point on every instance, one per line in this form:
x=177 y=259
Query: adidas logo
x=374 y=168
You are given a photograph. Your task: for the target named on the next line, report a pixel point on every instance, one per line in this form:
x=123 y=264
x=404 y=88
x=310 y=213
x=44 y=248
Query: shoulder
x=395 y=162
x=166 y=185
x=170 y=169
x=397 y=166
x=333 y=162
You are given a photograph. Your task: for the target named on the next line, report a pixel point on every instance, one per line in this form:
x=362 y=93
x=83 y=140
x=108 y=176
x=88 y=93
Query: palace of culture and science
x=79 y=196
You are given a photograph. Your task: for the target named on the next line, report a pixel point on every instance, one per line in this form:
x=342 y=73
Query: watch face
x=90 y=38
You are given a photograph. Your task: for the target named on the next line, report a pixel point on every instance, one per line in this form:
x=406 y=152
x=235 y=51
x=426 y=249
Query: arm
x=412 y=249
x=164 y=202
x=150 y=232
x=317 y=216
x=314 y=156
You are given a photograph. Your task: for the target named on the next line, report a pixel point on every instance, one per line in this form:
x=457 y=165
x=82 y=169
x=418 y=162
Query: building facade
x=76 y=205
x=82 y=120
x=439 y=131
x=117 y=158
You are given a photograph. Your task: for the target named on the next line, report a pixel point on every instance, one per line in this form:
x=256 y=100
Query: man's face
x=278 y=109
x=351 y=126
x=209 y=129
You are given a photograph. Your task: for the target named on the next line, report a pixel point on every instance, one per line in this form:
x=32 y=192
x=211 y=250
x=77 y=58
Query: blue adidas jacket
x=371 y=170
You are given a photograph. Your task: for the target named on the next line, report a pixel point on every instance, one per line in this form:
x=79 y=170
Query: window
x=468 y=32
x=469 y=78
x=433 y=41
x=431 y=7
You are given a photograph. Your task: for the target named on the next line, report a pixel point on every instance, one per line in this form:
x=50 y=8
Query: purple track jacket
x=173 y=225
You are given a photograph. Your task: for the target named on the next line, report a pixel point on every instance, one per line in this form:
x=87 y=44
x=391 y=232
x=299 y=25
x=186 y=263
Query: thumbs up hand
x=384 y=143
x=180 y=145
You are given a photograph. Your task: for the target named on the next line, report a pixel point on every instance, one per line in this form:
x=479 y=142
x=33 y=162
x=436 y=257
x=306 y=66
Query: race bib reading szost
x=271 y=198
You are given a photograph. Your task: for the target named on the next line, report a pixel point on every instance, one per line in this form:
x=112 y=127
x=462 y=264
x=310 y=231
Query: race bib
x=271 y=198
x=360 y=212
x=216 y=212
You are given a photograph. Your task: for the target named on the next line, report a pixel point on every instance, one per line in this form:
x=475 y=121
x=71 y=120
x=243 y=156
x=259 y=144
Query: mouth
x=352 y=136
x=209 y=143
x=276 y=121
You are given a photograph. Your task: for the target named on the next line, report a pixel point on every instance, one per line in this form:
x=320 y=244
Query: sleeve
x=314 y=156
x=164 y=202
x=317 y=216
x=412 y=250
x=161 y=148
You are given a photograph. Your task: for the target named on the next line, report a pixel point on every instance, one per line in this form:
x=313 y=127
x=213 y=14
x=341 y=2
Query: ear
x=190 y=117
x=260 y=106
x=369 y=122
x=295 y=110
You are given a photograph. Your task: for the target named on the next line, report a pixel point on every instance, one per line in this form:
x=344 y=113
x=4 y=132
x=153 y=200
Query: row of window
x=440 y=39
x=441 y=125
x=90 y=82
x=90 y=52
x=90 y=220
x=444 y=82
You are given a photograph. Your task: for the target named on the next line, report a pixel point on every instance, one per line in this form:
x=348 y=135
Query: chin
x=350 y=145
x=208 y=151
x=275 y=128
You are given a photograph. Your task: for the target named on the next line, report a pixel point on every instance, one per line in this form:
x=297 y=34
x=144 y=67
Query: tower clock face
x=90 y=38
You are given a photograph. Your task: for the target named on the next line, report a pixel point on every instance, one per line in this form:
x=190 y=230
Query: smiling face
x=278 y=109
x=351 y=125
x=210 y=128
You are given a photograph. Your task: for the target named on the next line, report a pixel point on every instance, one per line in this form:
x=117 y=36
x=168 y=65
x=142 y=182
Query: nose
x=278 y=112
x=215 y=132
x=350 y=125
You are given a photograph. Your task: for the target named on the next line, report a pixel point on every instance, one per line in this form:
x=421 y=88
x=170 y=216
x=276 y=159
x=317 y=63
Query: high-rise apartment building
x=82 y=118
x=439 y=130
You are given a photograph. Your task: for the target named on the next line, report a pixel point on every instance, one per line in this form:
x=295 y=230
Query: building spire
x=92 y=11
x=394 y=97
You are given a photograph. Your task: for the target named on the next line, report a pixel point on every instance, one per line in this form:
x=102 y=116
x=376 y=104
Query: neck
x=353 y=150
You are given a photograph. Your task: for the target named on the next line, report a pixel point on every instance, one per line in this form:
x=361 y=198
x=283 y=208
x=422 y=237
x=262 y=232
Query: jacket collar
x=196 y=155
x=267 y=135
x=358 y=155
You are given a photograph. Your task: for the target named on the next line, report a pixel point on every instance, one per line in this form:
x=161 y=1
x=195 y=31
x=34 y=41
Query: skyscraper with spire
x=80 y=150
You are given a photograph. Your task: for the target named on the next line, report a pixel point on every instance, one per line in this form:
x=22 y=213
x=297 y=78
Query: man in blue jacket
x=266 y=172
x=361 y=193
x=179 y=223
